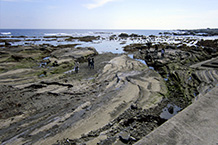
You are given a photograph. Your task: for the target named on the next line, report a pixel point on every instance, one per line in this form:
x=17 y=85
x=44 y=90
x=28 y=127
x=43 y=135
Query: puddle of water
x=91 y=78
x=43 y=64
x=142 y=61
x=105 y=46
x=69 y=71
x=190 y=78
x=170 y=111
x=167 y=78
x=46 y=58
x=151 y=67
x=131 y=56
x=42 y=75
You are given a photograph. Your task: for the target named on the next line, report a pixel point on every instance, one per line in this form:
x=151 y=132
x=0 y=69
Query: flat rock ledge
x=127 y=83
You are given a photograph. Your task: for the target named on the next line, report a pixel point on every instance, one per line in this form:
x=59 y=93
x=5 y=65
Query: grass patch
x=62 y=68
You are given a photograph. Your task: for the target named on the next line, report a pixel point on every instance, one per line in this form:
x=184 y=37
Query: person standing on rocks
x=77 y=67
x=162 y=52
x=156 y=50
x=92 y=63
x=89 y=62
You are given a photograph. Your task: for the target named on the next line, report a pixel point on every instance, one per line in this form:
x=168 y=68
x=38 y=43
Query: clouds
x=108 y=14
x=98 y=3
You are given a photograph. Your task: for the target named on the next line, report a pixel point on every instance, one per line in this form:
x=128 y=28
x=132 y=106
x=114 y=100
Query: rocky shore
x=121 y=100
x=196 y=32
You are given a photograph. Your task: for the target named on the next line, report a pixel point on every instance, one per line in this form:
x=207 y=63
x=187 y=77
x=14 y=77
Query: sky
x=108 y=14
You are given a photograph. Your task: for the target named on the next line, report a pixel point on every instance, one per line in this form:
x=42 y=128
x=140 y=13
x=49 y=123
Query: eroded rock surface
x=81 y=109
x=43 y=101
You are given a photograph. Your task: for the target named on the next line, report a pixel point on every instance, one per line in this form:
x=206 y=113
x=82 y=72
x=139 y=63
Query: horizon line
x=101 y=29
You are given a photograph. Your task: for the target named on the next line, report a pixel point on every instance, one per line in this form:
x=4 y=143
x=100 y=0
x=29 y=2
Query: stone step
x=214 y=77
x=208 y=74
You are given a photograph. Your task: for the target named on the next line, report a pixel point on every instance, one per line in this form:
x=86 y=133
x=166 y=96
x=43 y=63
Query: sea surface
x=104 y=44
x=74 y=32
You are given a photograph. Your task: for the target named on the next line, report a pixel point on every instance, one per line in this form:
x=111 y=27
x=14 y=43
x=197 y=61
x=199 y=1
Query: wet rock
x=134 y=47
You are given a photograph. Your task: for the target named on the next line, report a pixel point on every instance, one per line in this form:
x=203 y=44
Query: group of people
x=90 y=64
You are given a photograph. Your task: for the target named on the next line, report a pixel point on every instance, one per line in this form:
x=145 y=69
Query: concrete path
x=195 y=125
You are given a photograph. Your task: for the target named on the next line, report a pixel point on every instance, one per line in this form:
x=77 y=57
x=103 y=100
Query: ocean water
x=73 y=32
x=104 y=44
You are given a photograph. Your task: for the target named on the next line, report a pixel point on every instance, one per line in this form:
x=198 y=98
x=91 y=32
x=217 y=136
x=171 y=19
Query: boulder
x=125 y=137
x=123 y=35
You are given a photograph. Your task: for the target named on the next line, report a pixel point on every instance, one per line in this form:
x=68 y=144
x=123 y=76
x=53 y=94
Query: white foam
x=57 y=34
x=6 y=33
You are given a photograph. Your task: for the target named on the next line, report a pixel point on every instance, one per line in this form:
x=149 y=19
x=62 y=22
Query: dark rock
x=123 y=35
x=57 y=83
x=35 y=86
x=17 y=57
x=134 y=106
x=134 y=35
x=171 y=110
x=118 y=143
x=210 y=50
x=7 y=44
x=85 y=38
x=134 y=47
x=19 y=105
x=124 y=137
x=170 y=47
x=55 y=63
x=19 y=36
x=149 y=44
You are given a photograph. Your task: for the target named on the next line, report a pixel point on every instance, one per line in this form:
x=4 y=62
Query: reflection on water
x=69 y=71
x=170 y=111
x=105 y=46
x=142 y=61
x=46 y=58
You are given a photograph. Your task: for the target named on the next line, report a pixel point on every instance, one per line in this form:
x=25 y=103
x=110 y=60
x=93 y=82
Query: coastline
x=53 y=103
